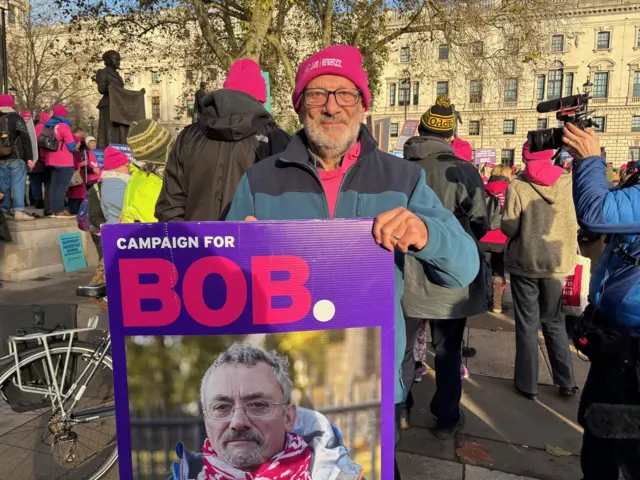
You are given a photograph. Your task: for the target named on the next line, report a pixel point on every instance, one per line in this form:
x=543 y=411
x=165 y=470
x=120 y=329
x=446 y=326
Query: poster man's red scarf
x=292 y=463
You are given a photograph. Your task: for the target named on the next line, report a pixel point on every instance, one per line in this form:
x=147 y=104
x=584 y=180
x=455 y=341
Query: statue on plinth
x=118 y=107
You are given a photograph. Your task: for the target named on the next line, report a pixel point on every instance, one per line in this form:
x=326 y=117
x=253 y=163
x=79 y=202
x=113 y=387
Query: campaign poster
x=123 y=148
x=191 y=305
x=99 y=154
x=409 y=130
x=485 y=156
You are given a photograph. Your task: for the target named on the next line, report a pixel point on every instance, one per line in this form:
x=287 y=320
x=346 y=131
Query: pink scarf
x=292 y=463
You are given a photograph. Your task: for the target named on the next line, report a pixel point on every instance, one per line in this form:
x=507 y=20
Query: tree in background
x=280 y=33
x=43 y=67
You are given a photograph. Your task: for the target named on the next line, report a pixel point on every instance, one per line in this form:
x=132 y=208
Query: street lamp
x=406 y=86
x=91 y=120
x=13 y=91
x=588 y=86
x=3 y=48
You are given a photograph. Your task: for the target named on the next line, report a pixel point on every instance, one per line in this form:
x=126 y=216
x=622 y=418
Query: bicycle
x=49 y=440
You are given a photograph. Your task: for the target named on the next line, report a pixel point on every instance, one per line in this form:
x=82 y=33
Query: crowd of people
x=457 y=229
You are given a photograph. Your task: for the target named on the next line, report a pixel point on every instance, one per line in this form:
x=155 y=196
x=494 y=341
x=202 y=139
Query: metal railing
x=155 y=433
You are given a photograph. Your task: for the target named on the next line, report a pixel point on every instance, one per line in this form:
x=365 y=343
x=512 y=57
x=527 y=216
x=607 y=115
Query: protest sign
x=99 y=154
x=485 y=156
x=123 y=148
x=408 y=130
x=72 y=251
x=325 y=286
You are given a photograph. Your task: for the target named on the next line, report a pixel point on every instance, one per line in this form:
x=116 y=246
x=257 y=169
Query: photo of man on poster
x=255 y=431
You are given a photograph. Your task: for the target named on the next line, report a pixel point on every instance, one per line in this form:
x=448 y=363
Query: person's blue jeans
x=13 y=182
x=60 y=180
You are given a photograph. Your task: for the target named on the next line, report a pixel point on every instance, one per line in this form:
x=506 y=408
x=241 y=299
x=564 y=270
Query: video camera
x=571 y=109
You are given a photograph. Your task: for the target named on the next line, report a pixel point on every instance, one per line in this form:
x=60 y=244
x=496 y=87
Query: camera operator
x=609 y=332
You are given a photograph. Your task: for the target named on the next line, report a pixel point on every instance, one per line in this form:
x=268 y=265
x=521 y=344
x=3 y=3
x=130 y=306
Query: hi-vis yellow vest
x=141 y=196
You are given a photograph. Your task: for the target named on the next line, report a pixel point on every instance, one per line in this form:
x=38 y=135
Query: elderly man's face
x=332 y=128
x=249 y=438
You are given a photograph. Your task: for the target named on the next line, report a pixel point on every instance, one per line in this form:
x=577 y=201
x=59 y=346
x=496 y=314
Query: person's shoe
x=464 y=372
x=449 y=433
x=20 y=216
x=47 y=213
x=63 y=214
x=468 y=352
x=404 y=419
x=568 y=391
x=527 y=395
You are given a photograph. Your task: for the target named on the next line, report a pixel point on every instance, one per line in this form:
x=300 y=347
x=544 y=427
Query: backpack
x=6 y=145
x=82 y=217
x=47 y=139
x=494 y=212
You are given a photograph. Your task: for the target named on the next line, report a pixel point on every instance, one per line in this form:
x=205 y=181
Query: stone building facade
x=603 y=47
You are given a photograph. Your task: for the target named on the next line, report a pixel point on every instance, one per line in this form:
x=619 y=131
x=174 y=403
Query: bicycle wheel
x=36 y=445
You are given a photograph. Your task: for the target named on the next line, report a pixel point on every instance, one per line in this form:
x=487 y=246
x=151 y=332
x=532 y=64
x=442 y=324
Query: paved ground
x=506 y=435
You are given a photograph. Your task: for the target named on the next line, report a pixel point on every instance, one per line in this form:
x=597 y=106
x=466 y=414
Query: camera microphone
x=558 y=103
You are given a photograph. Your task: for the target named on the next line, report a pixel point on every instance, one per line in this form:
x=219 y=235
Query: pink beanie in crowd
x=60 y=111
x=7 y=101
x=527 y=156
x=114 y=158
x=462 y=149
x=26 y=114
x=341 y=60
x=44 y=117
x=245 y=76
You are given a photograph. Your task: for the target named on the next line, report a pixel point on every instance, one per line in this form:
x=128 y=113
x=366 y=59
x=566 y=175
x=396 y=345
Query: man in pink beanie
x=333 y=169
x=233 y=132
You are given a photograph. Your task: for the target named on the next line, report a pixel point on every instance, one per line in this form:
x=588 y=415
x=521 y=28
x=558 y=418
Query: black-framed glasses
x=252 y=409
x=318 y=97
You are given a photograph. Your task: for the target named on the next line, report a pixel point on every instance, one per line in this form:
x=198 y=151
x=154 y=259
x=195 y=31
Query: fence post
x=165 y=437
x=151 y=442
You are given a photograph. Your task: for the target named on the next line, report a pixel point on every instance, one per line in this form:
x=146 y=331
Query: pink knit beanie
x=245 y=76
x=60 y=111
x=341 y=60
x=7 y=101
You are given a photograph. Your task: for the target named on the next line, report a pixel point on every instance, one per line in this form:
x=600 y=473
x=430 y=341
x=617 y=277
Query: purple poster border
x=335 y=250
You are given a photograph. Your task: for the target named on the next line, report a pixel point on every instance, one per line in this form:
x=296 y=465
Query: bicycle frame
x=55 y=390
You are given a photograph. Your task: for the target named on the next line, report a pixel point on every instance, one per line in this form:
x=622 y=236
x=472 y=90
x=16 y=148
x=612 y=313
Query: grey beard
x=334 y=150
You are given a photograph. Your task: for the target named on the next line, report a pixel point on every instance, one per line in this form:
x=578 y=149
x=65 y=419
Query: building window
x=442 y=88
x=542 y=123
x=189 y=75
x=509 y=127
x=405 y=54
x=557 y=43
x=155 y=77
x=474 y=127
x=55 y=84
x=155 y=108
x=392 y=95
x=599 y=124
x=554 y=85
x=477 y=49
x=443 y=52
x=635 y=123
x=540 y=88
x=568 y=84
x=634 y=154
x=475 y=91
x=636 y=84
x=638 y=38
x=603 y=40
x=506 y=157
x=601 y=85
x=12 y=15
x=416 y=93
x=511 y=90
x=190 y=104
x=394 y=129
x=404 y=94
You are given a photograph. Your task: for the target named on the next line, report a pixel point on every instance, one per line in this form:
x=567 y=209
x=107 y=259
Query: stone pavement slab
x=496 y=355
x=478 y=473
x=416 y=467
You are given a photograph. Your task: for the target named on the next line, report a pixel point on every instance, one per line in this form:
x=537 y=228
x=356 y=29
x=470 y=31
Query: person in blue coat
x=609 y=333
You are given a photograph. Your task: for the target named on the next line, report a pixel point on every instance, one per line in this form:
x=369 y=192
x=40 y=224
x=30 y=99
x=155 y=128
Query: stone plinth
x=35 y=250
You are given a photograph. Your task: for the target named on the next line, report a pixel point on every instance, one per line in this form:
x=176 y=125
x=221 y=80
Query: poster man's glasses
x=254 y=409
x=318 y=97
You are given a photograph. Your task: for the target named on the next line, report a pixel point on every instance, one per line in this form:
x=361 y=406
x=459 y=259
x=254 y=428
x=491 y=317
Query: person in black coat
x=459 y=187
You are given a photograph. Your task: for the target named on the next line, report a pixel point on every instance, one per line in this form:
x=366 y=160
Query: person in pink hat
x=333 y=168
x=232 y=133
x=14 y=164
x=540 y=220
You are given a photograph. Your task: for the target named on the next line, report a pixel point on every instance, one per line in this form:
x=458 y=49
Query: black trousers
x=538 y=301
x=446 y=340
x=604 y=458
